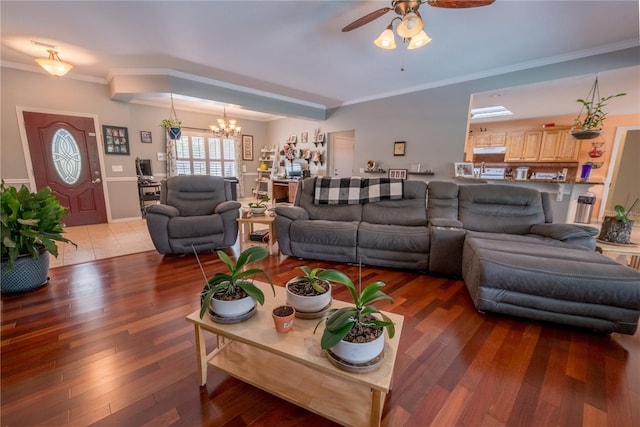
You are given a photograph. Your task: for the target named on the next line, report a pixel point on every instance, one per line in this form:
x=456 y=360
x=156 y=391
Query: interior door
x=64 y=156
x=342 y=154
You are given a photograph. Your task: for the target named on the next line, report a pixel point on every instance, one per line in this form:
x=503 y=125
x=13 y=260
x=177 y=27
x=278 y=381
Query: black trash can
x=584 y=208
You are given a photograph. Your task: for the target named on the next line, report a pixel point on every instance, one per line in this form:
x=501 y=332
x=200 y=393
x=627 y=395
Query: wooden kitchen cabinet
x=558 y=146
x=523 y=146
x=489 y=139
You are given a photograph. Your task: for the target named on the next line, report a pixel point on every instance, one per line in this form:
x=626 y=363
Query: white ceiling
x=295 y=49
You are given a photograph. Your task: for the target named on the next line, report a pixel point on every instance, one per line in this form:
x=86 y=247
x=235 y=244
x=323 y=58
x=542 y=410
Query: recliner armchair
x=194 y=210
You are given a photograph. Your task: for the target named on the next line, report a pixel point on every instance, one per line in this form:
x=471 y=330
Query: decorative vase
x=353 y=352
x=283 y=318
x=27 y=274
x=175 y=133
x=615 y=231
x=585 y=172
x=308 y=303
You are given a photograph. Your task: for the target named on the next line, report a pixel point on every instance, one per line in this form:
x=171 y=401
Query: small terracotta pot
x=283 y=322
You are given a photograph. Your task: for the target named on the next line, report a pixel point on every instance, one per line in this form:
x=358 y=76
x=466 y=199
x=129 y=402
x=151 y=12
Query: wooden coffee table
x=293 y=366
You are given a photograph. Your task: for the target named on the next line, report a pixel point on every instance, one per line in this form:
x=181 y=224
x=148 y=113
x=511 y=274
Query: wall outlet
x=116 y=168
x=161 y=156
x=361 y=170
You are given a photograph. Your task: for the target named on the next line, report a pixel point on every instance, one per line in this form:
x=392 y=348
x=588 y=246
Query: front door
x=64 y=156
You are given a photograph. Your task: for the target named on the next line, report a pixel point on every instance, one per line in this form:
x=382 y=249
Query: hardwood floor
x=106 y=344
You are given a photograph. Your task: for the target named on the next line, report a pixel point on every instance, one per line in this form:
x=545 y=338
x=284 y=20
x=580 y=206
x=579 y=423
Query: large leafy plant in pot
x=355 y=334
x=589 y=126
x=31 y=227
x=310 y=292
x=233 y=294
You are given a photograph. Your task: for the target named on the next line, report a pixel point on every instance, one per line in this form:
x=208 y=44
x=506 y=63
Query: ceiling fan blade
x=459 y=4
x=366 y=19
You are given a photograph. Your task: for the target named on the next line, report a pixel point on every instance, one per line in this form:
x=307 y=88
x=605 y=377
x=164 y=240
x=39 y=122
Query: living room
x=431 y=119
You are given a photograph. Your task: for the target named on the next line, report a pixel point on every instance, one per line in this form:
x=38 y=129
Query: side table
x=245 y=228
x=632 y=250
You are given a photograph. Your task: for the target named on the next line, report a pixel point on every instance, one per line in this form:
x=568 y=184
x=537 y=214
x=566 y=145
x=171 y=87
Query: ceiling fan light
x=53 y=64
x=386 y=39
x=410 y=25
x=419 y=40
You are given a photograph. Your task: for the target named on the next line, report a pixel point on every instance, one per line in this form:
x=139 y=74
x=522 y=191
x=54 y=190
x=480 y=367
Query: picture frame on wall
x=463 y=169
x=304 y=137
x=247 y=147
x=399 y=148
x=145 y=136
x=116 y=140
x=398 y=173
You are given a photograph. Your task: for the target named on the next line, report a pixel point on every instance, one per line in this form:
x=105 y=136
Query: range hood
x=489 y=150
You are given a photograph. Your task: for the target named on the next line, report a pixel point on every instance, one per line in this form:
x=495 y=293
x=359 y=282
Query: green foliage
x=621 y=213
x=236 y=278
x=171 y=123
x=313 y=278
x=340 y=321
x=30 y=221
x=262 y=203
x=594 y=114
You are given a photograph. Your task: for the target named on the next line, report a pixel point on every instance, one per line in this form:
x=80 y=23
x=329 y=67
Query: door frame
x=27 y=153
x=616 y=152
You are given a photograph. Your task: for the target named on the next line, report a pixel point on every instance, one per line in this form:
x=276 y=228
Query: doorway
x=623 y=178
x=341 y=154
x=64 y=156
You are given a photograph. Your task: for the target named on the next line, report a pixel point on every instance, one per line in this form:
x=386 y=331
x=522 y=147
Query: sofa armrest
x=445 y=222
x=563 y=231
x=292 y=212
x=165 y=210
x=229 y=205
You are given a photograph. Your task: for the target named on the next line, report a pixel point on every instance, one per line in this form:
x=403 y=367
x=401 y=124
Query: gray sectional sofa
x=500 y=239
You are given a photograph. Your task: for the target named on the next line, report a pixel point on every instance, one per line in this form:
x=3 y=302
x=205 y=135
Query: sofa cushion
x=409 y=211
x=322 y=232
x=393 y=237
x=501 y=209
x=195 y=226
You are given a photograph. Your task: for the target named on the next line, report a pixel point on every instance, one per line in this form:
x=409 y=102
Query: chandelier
x=53 y=64
x=225 y=128
x=410 y=30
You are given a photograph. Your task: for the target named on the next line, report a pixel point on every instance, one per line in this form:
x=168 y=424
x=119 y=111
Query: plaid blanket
x=376 y=189
x=337 y=191
x=354 y=190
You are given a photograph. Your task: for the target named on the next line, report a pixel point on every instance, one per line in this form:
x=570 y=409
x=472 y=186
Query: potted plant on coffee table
x=354 y=335
x=231 y=297
x=310 y=293
x=31 y=226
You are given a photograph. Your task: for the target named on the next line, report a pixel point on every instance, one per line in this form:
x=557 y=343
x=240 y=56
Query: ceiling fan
x=408 y=8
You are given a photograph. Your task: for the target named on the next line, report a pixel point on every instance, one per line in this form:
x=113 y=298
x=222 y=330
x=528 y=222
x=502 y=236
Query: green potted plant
x=31 y=226
x=590 y=126
x=309 y=293
x=355 y=334
x=173 y=126
x=259 y=207
x=617 y=228
x=233 y=295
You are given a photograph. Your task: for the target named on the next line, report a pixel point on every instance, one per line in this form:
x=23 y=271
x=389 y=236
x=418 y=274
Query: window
x=202 y=154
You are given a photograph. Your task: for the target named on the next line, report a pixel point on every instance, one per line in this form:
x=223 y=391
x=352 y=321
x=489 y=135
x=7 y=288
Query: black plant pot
x=175 y=133
x=586 y=134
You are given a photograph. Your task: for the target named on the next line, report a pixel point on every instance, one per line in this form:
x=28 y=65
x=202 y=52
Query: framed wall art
x=304 y=137
x=116 y=140
x=145 y=136
x=398 y=173
x=247 y=147
x=463 y=169
x=399 y=148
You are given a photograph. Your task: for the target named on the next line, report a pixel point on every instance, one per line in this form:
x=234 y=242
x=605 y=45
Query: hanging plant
x=172 y=124
x=589 y=126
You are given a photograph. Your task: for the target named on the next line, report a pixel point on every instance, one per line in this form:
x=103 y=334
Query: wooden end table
x=629 y=250
x=245 y=228
x=293 y=366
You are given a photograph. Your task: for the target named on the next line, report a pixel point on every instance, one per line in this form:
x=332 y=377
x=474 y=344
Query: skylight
x=481 y=113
